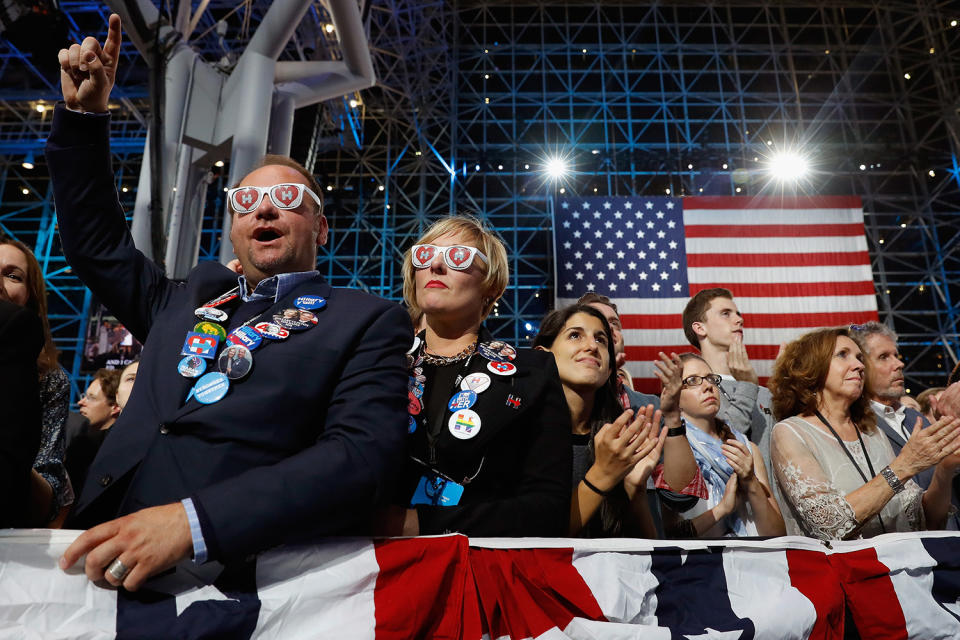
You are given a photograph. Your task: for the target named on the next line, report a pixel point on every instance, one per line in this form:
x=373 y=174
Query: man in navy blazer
x=301 y=446
x=885 y=384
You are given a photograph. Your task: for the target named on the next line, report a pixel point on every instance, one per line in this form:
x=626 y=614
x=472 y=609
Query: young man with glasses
x=210 y=463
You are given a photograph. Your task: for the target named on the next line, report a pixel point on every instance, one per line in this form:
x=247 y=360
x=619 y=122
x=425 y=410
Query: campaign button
x=502 y=368
x=235 y=361
x=464 y=424
x=490 y=353
x=247 y=336
x=211 y=328
x=211 y=387
x=272 y=331
x=462 y=400
x=211 y=313
x=411 y=424
x=414 y=406
x=200 y=344
x=310 y=302
x=414 y=387
x=192 y=366
x=295 y=319
x=476 y=382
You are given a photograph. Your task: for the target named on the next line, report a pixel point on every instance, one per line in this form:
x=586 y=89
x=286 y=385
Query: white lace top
x=812 y=477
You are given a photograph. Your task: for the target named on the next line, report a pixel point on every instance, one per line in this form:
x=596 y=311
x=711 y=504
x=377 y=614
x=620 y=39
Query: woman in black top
x=488 y=450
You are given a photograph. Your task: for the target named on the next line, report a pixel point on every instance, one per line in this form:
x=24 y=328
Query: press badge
x=437 y=491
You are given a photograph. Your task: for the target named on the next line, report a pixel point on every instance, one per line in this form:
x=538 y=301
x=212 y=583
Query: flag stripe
x=811 y=574
x=773 y=230
x=758 y=320
x=770 y=216
x=784 y=277
x=871 y=596
x=777 y=259
x=775 y=245
x=748 y=305
x=772 y=202
x=793 y=289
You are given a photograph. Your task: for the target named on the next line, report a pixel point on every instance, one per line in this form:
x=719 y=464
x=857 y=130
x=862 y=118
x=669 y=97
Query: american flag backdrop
x=792 y=263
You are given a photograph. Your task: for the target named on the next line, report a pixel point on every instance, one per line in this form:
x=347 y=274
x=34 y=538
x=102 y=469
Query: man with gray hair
x=885 y=386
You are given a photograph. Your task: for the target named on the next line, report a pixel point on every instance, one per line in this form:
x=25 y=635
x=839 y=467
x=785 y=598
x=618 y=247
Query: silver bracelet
x=892 y=480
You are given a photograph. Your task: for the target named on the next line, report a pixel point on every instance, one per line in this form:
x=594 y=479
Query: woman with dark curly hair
x=835 y=473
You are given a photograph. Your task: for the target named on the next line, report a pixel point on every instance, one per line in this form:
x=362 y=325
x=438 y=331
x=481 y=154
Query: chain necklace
x=440 y=361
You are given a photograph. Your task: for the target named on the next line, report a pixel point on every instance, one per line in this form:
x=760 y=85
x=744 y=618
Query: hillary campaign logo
x=200 y=344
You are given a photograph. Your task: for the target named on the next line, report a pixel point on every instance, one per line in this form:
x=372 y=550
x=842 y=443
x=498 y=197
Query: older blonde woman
x=489 y=443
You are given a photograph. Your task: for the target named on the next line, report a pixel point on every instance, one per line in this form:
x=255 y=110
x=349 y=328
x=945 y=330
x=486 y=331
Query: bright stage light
x=788 y=166
x=556 y=168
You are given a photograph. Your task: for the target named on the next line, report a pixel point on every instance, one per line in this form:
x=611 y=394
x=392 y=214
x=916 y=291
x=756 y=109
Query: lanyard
x=866 y=455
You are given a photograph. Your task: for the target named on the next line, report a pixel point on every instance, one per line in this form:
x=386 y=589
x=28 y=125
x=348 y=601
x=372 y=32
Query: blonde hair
x=472 y=230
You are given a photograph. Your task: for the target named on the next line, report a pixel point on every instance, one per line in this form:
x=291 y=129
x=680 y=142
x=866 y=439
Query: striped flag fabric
x=896 y=586
x=793 y=263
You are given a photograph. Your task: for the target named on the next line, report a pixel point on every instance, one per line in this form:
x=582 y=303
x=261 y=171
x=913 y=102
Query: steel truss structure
x=473 y=97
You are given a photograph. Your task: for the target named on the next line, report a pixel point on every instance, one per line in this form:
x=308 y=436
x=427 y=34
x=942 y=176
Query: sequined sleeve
x=54 y=398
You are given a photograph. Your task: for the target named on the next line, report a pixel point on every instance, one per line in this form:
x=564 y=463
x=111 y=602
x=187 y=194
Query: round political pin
x=247 y=336
x=508 y=352
x=414 y=406
x=416 y=344
x=295 y=319
x=502 y=368
x=464 y=424
x=192 y=366
x=490 y=353
x=411 y=424
x=211 y=387
x=462 y=400
x=310 y=302
x=476 y=382
x=235 y=361
x=211 y=313
x=210 y=328
x=272 y=331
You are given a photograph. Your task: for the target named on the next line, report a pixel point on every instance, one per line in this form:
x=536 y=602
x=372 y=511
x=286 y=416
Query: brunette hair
x=597 y=298
x=696 y=311
x=109 y=380
x=496 y=273
x=606 y=402
x=722 y=428
x=801 y=371
x=37 y=302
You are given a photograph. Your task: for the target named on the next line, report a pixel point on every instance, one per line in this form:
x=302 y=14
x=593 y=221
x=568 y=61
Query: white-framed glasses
x=287 y=195
x=458 y=256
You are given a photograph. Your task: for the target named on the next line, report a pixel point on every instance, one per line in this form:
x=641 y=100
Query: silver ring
x=118 y=570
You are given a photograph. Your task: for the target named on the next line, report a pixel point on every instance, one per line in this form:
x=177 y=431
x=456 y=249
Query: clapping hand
x=670 y=371
x=620 y=445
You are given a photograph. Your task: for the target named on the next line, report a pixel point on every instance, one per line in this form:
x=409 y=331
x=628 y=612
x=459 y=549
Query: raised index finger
x=111 y=47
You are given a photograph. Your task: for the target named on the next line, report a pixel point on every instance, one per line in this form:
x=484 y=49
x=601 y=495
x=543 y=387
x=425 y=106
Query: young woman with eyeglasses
x=488 y=446
x=736 y=500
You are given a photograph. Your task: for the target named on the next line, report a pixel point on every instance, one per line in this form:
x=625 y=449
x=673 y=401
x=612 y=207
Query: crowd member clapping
x=488 y=444
x=835 y=473
x=739 y=501
x=614 y=451
x=23 y=285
